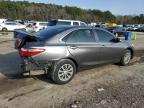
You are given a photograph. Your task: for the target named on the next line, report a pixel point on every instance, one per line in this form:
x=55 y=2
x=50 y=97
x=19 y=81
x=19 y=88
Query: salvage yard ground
x=106 y=86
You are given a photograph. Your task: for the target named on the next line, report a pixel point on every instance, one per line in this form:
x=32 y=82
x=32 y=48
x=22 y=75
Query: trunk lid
x=22 y=37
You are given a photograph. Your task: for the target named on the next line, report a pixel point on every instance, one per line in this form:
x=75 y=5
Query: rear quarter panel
x=52 y=53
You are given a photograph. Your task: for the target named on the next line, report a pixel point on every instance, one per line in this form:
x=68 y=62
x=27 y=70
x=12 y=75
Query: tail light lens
x=30 y=51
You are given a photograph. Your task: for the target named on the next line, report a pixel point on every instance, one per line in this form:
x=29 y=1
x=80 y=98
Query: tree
x=41 y=11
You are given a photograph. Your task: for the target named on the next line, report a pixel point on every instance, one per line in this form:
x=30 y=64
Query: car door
x=110 y=50
x=13 y=26
x=83 y=47
x=18 y=26
x=7 y=25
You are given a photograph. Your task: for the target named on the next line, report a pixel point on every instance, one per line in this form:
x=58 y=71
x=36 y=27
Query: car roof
x=71 y=27
x=65 y=20
x=67 y=29
x=75 y=27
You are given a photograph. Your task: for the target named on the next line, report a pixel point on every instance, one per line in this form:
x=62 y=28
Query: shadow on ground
x=9 y=64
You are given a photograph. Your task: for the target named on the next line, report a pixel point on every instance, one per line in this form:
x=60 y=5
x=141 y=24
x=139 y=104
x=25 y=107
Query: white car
x=11 y=26
x=2 y=20
x=37 y=26
x=66 y=22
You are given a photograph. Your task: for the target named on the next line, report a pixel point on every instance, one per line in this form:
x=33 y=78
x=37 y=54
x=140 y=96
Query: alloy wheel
x=65 y=72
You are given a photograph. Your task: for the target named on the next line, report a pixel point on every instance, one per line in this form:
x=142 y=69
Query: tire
x=63 y=71
x=125 y=60
x=4 y=29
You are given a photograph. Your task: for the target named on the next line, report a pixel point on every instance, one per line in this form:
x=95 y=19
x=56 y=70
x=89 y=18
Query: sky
x=117 y=7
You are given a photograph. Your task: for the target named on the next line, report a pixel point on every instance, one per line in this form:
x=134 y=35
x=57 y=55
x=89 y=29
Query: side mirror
x=116 y=40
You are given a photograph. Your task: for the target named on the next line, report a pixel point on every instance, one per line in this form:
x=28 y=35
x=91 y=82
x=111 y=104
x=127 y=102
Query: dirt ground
x=105 y=86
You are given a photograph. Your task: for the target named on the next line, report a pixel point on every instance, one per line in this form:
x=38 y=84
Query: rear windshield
x=50 y=32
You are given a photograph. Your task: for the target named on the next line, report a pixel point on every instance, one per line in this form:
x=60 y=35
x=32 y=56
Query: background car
x=6 y=20
x=66 y=22
x=63 y=50
x=117 y=30
x=140 y=29
x=2 y=20
x=11 y=26
x=37 y=26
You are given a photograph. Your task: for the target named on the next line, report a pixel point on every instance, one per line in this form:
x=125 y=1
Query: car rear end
x=28 y=62
x=28 y=46
x=38 y=51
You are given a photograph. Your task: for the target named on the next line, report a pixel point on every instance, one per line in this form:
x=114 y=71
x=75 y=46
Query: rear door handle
x=73 y=47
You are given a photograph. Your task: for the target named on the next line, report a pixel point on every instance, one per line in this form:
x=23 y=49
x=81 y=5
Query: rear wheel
x=63 y=71
x=125 y=60
x=4 y=29
x=24 y=29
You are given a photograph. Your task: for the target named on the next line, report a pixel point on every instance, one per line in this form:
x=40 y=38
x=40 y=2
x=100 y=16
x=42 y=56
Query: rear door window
x=63 y=23
x=80 y=36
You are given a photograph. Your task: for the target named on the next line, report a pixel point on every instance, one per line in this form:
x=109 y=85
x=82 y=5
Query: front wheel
x=125 y=60
x=63 y=71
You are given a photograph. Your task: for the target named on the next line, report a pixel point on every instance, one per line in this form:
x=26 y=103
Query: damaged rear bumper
x=29 y=64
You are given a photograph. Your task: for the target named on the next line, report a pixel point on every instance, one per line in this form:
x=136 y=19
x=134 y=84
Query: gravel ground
x=128 y=93
x=106 y=86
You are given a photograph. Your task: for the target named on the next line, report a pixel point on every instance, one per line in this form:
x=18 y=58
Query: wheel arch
x=132 y=52
x=74 y=61
x=4 y=28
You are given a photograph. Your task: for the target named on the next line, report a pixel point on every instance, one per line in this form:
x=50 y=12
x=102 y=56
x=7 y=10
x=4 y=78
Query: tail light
x=30 y=51
x=18 y=42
